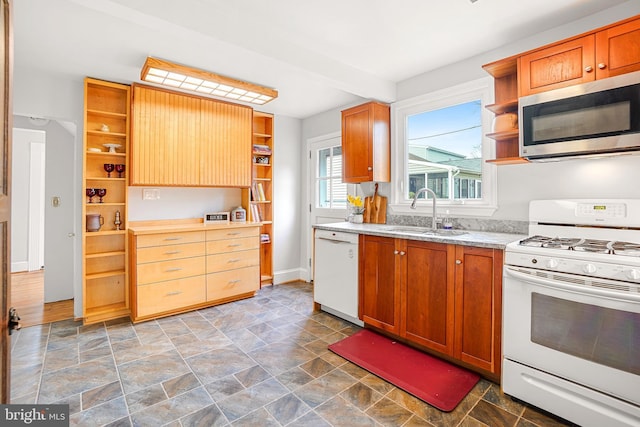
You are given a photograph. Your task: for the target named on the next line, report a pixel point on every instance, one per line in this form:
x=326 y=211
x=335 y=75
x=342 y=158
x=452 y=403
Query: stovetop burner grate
x=583 y=245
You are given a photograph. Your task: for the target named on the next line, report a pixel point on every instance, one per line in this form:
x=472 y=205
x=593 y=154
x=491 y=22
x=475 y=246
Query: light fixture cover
x=179 y=76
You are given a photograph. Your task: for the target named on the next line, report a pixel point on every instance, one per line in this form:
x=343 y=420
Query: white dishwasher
x=335 y=281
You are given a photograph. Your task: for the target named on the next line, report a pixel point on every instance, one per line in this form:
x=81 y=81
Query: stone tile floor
x=262 y=361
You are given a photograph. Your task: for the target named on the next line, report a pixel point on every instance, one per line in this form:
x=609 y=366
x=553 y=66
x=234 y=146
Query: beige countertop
x=468 y=238
x=173 y=228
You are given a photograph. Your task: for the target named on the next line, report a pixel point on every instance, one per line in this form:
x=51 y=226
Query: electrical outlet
x=150 y=194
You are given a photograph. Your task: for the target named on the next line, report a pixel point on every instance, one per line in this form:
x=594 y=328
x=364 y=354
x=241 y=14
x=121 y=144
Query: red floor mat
x=435 y=381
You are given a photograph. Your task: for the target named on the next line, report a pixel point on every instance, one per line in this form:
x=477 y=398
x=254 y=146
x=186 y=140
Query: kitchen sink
x=411 y=229
x=427 y=231
x=442 y=232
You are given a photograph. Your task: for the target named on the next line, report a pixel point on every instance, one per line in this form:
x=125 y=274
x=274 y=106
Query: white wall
x=287 y=254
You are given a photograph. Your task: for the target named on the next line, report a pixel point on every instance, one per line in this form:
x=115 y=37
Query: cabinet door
x=166 y=132
x=557 y=66
x=357 y=155
x=478 y=307
x=379 y=291
x=225 y=145
x=618 y=50
x=429 y=294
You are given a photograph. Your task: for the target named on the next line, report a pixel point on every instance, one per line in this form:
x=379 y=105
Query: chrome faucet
x=433 y=198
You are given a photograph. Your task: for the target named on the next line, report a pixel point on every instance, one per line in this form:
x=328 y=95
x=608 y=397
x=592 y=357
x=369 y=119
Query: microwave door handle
x=558 y=284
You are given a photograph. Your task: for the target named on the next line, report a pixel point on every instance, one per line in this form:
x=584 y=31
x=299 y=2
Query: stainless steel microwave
x=594 y=118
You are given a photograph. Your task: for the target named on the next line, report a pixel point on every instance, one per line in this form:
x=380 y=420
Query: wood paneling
x=183 y=140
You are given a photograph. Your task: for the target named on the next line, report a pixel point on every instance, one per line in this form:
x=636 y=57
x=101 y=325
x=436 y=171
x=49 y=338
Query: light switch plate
x=150 y=194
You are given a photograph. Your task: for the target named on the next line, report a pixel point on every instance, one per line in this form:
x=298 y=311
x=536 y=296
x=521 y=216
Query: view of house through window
x=444 y=151
x=331 y=191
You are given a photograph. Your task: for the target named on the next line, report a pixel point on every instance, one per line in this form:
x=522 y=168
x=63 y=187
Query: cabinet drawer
x=147 y=240
x=232 y=245
x=233 y=282
x=231 y=233
x=232 y=260
x=169 y=270
x=169 y=252
x=171 y=295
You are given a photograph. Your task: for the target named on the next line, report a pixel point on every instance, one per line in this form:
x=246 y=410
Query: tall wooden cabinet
x=442 y=297
x=259 y=197
x=105 y=292
x=366 y=146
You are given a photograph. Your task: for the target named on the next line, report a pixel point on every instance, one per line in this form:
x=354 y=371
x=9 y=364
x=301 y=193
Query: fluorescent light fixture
x=179 y=76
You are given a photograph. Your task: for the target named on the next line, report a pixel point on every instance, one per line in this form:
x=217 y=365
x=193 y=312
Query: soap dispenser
x=447 y=224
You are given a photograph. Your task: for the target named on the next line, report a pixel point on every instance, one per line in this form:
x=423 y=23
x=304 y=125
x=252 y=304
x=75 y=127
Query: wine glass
x=109 y=168
x=90 y=192
x=101 y=192
x=120 y=170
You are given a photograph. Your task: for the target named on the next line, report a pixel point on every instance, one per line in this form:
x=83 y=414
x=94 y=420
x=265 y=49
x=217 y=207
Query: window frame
x=481 y=89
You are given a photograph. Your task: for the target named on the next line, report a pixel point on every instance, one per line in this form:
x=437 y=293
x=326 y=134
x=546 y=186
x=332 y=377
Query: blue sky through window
x=457 y=129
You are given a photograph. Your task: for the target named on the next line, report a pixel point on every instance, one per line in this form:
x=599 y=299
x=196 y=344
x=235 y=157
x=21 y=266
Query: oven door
x=584 y=330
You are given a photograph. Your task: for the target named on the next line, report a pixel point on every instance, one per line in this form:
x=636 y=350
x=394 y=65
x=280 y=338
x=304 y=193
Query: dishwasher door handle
x=333 y=240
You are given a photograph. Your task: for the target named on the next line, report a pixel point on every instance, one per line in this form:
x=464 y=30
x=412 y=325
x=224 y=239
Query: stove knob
x=589 y=268
x=552 y=263
x=633 y=274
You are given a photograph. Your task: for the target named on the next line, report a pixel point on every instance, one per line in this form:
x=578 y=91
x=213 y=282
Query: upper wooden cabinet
x=557 y=66
x=366 y=143
x=606 y=53
x=183 y=140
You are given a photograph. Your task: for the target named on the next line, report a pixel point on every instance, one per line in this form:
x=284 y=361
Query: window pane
x=444 y=149
x=324 y=163
x=331 y=191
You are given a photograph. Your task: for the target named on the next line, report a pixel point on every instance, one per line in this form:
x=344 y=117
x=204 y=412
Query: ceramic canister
x=94 y=222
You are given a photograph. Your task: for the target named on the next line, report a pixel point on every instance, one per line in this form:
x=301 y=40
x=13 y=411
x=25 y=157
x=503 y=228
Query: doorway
x=328 y=195
x=54 y=209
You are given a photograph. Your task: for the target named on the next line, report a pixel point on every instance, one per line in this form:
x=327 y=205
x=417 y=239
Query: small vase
x=357 y=218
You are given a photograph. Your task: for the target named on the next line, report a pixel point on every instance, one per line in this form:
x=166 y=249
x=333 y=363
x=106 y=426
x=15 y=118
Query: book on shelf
x=261 y=149
x=265 y=238
x=261 y=195
x=255 y=212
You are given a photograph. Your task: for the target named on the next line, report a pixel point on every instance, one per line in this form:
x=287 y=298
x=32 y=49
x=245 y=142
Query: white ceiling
x=319 y=54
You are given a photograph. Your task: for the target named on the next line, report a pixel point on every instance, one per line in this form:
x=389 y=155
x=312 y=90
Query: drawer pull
x=170 y=294
x=173 y=269
x=172 y=252
x=234 y=260
x=233 y=282
x=234 y=233
x=173 y=238
x=234 y=245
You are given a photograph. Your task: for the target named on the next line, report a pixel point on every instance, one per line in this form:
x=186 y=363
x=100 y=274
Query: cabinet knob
x=458 y=261
x=602 y=65
x=588 y=68
x=369 y=168
x=402 y=252
x=396 y=252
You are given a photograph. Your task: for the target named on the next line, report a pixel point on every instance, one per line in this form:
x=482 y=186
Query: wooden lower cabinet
x=379 y=290
x=443 y=298
x=173 y=272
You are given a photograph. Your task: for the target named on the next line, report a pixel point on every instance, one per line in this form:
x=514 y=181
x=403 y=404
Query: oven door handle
x=585 y=290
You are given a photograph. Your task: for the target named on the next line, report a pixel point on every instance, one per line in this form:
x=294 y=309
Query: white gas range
x=571 y=311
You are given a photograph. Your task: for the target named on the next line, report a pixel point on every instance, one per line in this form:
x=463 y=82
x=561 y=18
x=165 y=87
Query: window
x=332 y=192
x=440 y=144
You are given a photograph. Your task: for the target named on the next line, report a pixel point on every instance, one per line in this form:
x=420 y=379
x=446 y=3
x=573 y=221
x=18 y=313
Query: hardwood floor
x=27 y=296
